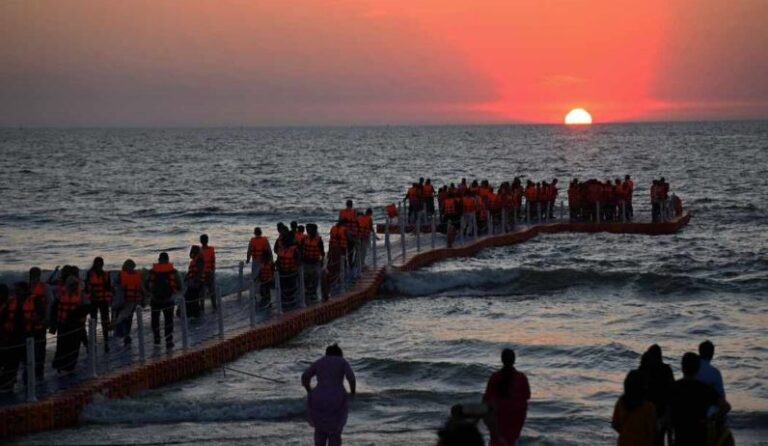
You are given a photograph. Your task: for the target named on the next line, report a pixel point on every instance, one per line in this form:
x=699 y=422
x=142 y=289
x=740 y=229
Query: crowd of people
x=654 y=410
x=465 y=204
x=61 y=304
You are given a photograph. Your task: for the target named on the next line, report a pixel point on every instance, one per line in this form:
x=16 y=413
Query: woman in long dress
x=328 y=401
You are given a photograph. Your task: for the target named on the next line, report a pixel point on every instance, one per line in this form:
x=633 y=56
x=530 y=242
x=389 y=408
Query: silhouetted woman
x=634 y=417
x=328 y=401
x=507 y=395
x=659 y=380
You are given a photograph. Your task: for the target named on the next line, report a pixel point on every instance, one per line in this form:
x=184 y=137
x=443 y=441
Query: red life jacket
x=468 y=204
x=209 y=255
x=530 y=194
x=494 y=202
x=131 y=283
x=339 y=237
x=259 y=245
x=40 y=292
x=311 y=249
x=68 y=303
x=450 y=206
x=365 y=223
x=428 y=191
x=166 y=270
x=286 y=260
x=99 y=286
x=391 y=211
x=349 y=216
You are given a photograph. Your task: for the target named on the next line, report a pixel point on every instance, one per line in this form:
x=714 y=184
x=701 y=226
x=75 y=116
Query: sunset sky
x=339 y=62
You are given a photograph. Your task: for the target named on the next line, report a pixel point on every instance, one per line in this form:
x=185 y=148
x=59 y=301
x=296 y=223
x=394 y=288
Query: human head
x=281 y=228
x=626 y=178
x=163 y=257
x=634 y=385
x=459 y=433
x=707 y=350
x=369 y=211
x=312 y=229
x=294 y=225
x=194 y=251
x=349 y=203
x=429 y=180
x=257 y=231
x=654 y=354
x=204 y=239
x=690 y=364
x=98 y=264
x=334 y=350
x=508 y=357
x=300 y=229
x=554 y=181
x=287 y=239
x=34 y=274
x=129 y=265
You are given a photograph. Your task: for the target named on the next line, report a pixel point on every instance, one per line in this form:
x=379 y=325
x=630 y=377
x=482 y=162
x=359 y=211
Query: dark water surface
x=579 y=309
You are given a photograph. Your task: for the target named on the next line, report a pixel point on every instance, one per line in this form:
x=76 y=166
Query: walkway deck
x=121 y=372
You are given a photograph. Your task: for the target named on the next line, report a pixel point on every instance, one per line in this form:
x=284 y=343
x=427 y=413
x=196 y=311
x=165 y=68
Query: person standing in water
x=507 y=395
x=328 y=402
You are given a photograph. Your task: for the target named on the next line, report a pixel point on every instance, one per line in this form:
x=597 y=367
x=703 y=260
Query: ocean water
x=579 y=309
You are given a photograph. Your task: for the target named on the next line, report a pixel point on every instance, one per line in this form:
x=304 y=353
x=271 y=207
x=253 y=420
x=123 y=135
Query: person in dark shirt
x=690 y=400
x=659 y=379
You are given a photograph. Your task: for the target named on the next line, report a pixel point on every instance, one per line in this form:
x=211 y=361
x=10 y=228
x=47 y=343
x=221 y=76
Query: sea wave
x=524 y=281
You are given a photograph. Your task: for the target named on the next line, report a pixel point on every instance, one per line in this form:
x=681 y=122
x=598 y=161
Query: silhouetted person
x=209 y=269
x=194 y=279
x=507 y=395
x=163 y=283
x=459 y=433
x=659 y=379
x=709 y=374
x=634 y=417
x=328 y=401
x=68 y=319
x=98 y=284
x=690 y=403
x=40 y=297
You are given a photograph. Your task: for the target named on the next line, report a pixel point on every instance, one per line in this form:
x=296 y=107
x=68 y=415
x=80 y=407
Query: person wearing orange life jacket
x=531 y=197
x=258 y=248
x=451 y=210
x=337 y=251
x=69 y=312
x=349 y=215
x=629 y=190
x=312 y=254
x=163 y=282
x=413 y=198
x=300 y=235
x=41 y=297
x=655 y=201
x=428 y=197
x=209 y=271
x=20 y=319
x=131 y=282
x=98 y=285
x=469 y=215
x=365 y=224
x=195 y=277
x=288 y=258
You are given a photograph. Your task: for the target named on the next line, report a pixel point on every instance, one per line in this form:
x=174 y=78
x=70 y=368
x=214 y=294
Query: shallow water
x=579 y=309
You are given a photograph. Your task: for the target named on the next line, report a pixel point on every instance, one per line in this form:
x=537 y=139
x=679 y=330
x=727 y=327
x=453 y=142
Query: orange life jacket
x=259 y=245
x=68 y=303
x=40 y=292
x=298 y=238
x=413 y=195
x=365 y=223
x=450 y=206
x=286 y=260
x=209 y=255
x=530 y=194
x=339 y=237
x=350 y=218
x=468 y=204
x=166 y=270
x=131 y=283
x=428 y=191
x=311 y=249
x=494 y=201
x=99 y=286
x=391 y=211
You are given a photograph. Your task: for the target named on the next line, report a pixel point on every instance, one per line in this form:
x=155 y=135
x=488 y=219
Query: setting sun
x=578 y=116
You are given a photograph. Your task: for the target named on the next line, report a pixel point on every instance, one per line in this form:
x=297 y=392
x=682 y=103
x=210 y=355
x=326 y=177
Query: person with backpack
x=163 y=283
